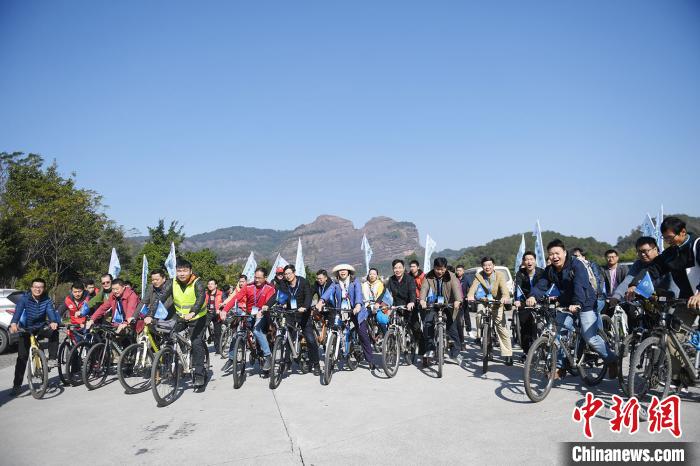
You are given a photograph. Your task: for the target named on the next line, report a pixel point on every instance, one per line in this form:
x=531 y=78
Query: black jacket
x=404 y=291
x=522 y=280
x=302 y=293
x=675 y=260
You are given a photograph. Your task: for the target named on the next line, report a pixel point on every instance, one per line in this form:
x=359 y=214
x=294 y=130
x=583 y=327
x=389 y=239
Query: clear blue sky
x=471 y=119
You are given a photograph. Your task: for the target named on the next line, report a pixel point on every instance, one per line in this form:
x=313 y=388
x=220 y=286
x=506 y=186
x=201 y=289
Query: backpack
x=593 y=278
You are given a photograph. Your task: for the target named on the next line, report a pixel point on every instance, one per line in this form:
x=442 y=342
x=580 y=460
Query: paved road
x=361 y=418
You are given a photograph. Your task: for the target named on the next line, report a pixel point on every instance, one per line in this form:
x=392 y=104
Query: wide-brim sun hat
x=340 y=267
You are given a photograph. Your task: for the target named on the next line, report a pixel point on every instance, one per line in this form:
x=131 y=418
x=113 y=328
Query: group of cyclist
x=577 y=285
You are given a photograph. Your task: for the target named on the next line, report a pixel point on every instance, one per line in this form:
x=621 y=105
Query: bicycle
x=37 y=364
x=397 y=341
x=541 y=362
x=76 y=356
x=351 y=351
x=243 y=340
x=440 y=335
x=488 y=331
x=287 y=348
x=651 y=369
x=72 y=338
x=135 y=364
x=172 y=361
x=101 y=358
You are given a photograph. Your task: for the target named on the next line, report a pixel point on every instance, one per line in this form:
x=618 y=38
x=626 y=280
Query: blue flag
x=171 y=261
x=161 y=311
x=480 y=292
x=387 y=298
x=282 y=297
x=85 y=309
x=520 y=254
x=118 y=317
x=645 y=288
x=519 y=295
x=553 y=291
x=539 y=246
x=430 y=299
x=114 y=265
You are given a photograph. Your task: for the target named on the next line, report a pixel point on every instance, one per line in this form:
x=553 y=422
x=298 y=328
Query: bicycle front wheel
x=278 y=365
x=134 y=368
x=485 y=346
x=96 y=366
x=650 y=370
x=238 y=361
x=63 y=352
x=540 y=365
x=37 y=372
x=74 y=364
x=329 y=360
x=624 y=361
x=390 y=353
x=225 y=341
x=440 y=349
x=165 y=376
x=592 y=367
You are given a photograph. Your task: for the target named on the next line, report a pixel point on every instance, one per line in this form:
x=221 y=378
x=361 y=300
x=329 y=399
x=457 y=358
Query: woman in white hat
x=346 y=293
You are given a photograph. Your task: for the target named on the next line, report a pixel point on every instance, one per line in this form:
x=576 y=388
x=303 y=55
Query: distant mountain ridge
x=330 y=240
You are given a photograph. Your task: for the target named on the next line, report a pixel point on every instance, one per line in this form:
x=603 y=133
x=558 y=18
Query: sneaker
x=268 y=363
x=560 y=373
x=199 y=380
x=429 y=355
x=52 y=363
x=317 y=370
x=477 y=341
x=16 y=390
x=523 y=357
x=227 y=366
x=508 y=361
x=454 y=353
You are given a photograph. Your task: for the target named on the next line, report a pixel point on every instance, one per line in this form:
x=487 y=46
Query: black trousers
x=198 y=331
x=216 y=336
x=23 y=345
x=466 y=309
x=306 y=322
x=414 y=324
x=451 y=324
x=528 y=332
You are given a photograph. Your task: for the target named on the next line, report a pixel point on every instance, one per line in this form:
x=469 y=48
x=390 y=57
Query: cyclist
x=213 y=302
x=403 y=292
x=90 y=288
x=256 y=295
x=613 y=274
x=346 y=293
x=323 y=282
x=647 y=251
x=32 y=311
x=493 y=286
x=418 y=278
x=72 y=305
x=158 y=292
x=525 y=280
x=189 y=296
x=682 y=261
x=577 y=294
x=372 y=290
x=447 y=289
x=122 y=303
x=465 y=282
x=242 y=282
x=103 y=294
x=298 y=297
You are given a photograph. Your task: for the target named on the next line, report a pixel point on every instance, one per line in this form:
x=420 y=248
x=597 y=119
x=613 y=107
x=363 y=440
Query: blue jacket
x=334 y=298
x=572 y=283
x=31 y=314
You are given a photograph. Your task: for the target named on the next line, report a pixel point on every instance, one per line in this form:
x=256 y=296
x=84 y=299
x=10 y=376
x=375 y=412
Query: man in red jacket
x=122 y=303
x=72 y=305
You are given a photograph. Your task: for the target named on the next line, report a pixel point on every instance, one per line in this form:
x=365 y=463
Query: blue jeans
x=590 y=321
x=259 y=331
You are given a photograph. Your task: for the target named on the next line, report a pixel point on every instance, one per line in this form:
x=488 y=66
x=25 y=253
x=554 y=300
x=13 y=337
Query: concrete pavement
x=360 y=418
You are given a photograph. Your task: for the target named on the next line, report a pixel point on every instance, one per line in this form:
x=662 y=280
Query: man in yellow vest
x=189 y=295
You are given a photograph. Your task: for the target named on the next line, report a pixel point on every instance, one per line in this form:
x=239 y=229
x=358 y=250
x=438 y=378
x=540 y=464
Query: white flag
x=114 y=266
x=539 y=246
x=299 y=264
x=368 y=251
x=279 y=262
x=429 y=250
x=519 y=255
x=144 y=276
x=648 y=228
x=659 y=235
x=171 y=261
x=250 y=266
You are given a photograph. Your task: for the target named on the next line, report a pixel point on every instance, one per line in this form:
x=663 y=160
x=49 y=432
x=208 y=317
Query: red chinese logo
x=586 y=412
x=665 y=415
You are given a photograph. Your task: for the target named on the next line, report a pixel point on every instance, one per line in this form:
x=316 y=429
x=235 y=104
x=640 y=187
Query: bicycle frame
x=676 y=343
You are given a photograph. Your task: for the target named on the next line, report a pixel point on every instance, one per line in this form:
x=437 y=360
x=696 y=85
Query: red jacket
x=253 y=296
x=129 y=301
x=74 y=308
x=419 y=282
